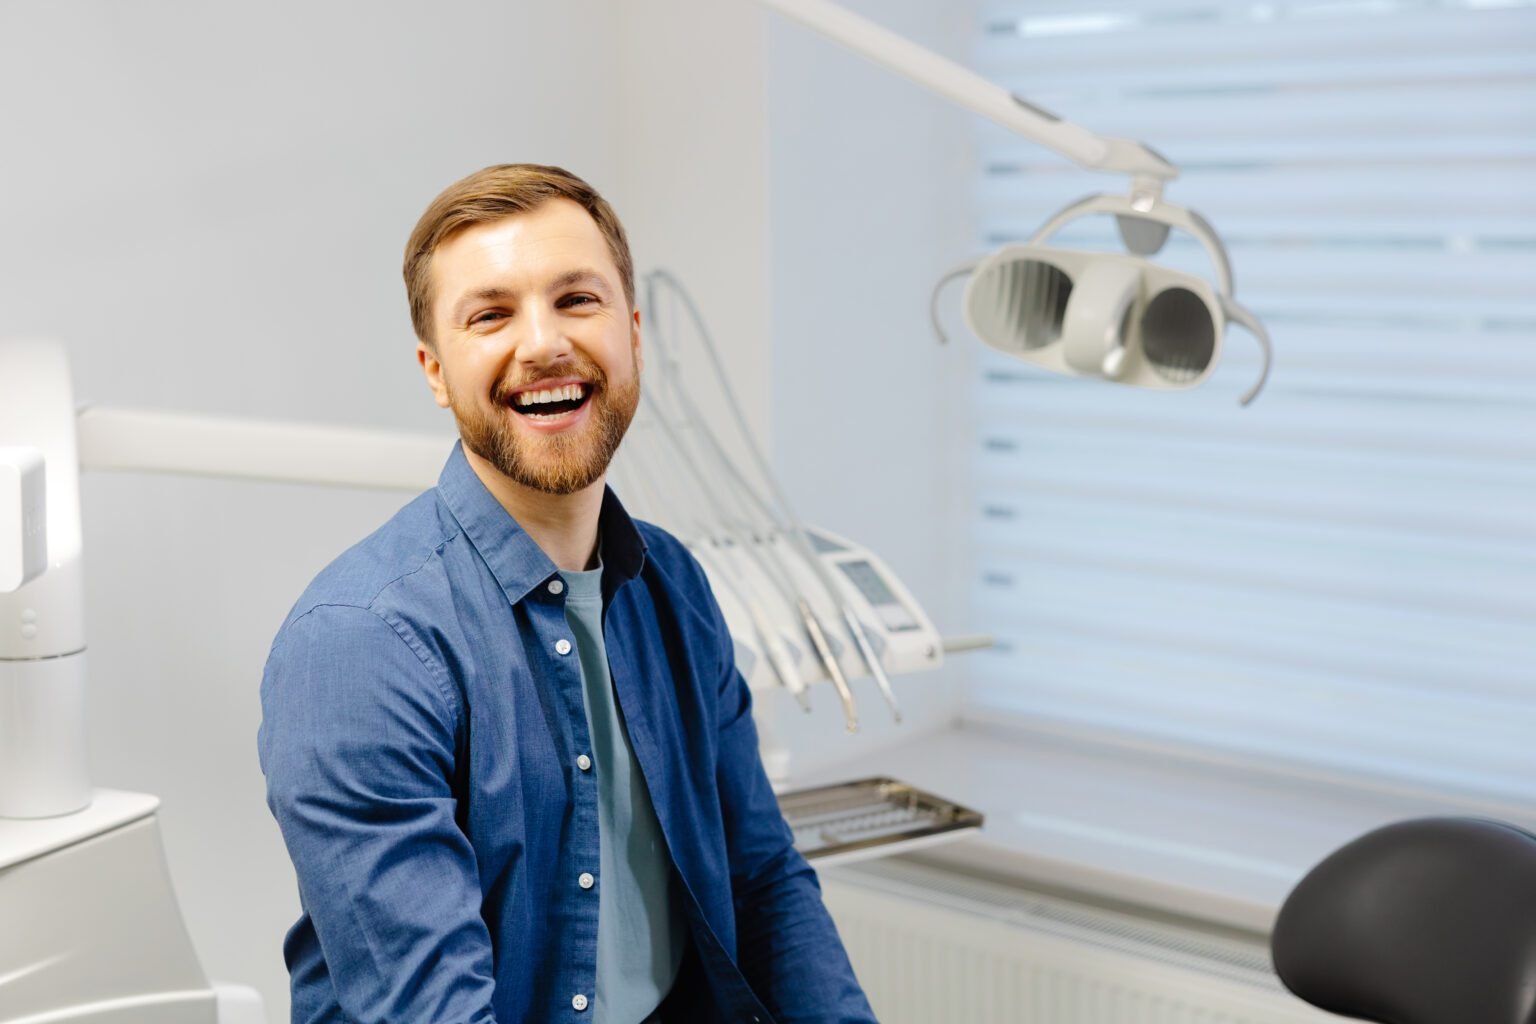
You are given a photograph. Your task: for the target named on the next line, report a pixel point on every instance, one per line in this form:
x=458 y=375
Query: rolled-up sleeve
x=357 y=742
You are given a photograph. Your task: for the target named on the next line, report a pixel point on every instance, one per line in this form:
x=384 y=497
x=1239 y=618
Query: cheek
x=469 y=376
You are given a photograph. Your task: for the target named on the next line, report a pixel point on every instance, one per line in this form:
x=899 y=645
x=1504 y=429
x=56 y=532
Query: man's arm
x=357 y=743
x=787 y=945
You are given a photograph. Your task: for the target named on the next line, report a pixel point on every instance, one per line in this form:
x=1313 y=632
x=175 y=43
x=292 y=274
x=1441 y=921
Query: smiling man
x=504 y=736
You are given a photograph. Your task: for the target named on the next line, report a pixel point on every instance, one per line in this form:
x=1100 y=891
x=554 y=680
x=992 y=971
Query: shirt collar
x=519 y=564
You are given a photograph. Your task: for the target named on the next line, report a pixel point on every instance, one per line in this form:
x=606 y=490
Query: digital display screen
x=869 y=583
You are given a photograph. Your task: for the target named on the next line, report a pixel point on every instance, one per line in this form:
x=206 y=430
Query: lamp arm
x=963 y=86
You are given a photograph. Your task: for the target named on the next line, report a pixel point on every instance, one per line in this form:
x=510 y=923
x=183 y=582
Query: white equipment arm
x=973 y=92
x=259 y=450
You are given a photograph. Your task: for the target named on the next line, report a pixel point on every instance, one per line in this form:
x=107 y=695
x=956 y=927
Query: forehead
x=522 y=250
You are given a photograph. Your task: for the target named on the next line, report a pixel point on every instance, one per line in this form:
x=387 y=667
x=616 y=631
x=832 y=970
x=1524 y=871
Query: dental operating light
x=1116 y=316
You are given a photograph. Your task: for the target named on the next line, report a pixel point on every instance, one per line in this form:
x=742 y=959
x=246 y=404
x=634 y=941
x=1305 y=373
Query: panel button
x=583 y=762
x=578 y=1002
x=586 y=881
x=562 y=646
x=556 y=586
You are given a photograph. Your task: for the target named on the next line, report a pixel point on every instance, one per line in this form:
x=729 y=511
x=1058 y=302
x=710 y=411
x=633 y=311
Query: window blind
x=1343 y=574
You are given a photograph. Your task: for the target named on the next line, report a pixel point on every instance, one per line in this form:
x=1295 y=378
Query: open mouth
x=550 y=403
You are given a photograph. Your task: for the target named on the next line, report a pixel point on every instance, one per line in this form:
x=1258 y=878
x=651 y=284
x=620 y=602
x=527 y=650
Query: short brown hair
x=491 y=194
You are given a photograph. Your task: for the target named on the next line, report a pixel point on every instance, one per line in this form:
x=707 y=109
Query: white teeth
x=564 y=393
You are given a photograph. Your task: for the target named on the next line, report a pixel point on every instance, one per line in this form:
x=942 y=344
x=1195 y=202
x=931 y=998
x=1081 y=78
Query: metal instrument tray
x=871 y=818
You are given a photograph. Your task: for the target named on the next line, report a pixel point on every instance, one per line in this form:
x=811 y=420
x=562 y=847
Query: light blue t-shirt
x=641 y=931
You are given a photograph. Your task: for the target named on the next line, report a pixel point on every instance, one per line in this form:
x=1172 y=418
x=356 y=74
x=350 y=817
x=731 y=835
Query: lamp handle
x=1158 y=212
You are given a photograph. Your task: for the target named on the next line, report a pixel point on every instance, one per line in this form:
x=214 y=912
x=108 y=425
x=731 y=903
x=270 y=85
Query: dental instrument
x=735 y=591
x=779 y=513
x=752 y=545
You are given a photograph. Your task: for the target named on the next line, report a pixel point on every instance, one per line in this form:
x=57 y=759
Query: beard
x=561 y=463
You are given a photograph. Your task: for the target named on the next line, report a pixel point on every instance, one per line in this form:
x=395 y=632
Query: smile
x=546 y=404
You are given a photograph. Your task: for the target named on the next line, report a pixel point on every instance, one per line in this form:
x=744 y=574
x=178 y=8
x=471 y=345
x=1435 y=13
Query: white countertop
x=1198 y=838
x=24 y=839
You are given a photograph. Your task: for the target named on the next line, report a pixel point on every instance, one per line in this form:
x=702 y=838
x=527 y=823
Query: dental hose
x=795 y=529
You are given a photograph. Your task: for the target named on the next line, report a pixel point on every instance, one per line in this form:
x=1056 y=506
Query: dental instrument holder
x=903 y=639
x=783 y=518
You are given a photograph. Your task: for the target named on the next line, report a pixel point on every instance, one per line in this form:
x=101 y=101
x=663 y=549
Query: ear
x=634 y=342
x=432 y=369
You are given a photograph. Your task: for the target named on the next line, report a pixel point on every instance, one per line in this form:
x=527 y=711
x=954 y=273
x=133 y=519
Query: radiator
x=935 y=947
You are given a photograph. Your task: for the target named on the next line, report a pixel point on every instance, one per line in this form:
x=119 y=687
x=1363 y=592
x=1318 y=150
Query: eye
x=489 y=316
x=581 y=299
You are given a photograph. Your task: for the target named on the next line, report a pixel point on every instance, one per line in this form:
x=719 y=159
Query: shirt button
x=555 y=586
x=562 y=646
x=586 y=880
x=578 y=1002
x=583 y=762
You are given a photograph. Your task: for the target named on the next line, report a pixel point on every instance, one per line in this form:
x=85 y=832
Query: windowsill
x=1211 y=841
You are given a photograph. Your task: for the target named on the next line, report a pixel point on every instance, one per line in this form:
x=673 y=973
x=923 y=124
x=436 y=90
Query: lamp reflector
x=1178 y=335
x=1099 y=314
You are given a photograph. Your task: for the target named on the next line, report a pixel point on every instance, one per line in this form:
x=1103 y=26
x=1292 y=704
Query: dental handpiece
x=782 y=662
x=856 y=627
x=779 y=657
x=802 y=547
x=823 y=648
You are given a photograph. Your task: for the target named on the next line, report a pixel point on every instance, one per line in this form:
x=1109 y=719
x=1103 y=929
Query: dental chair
x=1431 y=921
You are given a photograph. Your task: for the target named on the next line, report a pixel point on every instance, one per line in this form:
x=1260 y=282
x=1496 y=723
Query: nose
x=543 y=339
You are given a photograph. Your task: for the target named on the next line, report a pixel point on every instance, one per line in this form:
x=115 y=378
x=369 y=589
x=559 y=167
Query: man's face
x=537 y=351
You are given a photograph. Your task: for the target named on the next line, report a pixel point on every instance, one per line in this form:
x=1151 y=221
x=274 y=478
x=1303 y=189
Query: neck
x=564 y=526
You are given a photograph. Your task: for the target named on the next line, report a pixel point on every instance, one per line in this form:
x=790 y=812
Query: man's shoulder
x=407 y=551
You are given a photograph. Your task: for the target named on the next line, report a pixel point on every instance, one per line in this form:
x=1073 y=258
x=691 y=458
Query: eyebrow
x=496 y=293
x=581 y=275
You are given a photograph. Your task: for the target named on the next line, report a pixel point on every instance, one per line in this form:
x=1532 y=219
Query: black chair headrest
x=1430 y=921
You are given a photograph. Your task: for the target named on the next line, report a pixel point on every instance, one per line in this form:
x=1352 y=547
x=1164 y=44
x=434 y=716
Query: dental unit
x=802 y=605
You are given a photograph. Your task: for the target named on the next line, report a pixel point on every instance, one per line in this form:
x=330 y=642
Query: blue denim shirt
x=421 y=731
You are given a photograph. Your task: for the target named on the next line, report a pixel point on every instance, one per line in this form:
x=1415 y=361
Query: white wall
x=207 y=205
x=692 y=182
x=868 y=209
